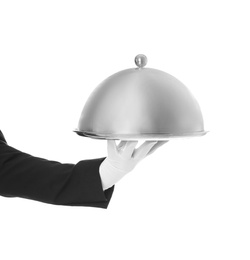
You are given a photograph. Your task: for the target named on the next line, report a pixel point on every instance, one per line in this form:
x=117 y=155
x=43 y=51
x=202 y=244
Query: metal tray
x=129 y=137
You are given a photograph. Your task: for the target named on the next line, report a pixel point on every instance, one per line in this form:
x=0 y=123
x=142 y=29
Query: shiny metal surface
x=141 y=103
x=141 y=60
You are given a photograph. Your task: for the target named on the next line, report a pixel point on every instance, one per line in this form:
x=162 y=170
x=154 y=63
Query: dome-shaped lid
x=141 y=103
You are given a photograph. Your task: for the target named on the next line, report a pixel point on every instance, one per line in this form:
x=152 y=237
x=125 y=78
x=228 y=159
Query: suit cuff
x=85 y=186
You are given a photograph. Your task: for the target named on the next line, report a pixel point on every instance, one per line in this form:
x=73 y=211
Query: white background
x=189 y=200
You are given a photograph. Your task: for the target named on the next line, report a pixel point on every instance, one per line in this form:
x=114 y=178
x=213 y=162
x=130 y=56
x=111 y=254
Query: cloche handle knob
x=141 y=61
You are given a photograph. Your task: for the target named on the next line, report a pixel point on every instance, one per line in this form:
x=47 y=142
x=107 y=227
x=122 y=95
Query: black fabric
x=26 y=176
x=2 y=137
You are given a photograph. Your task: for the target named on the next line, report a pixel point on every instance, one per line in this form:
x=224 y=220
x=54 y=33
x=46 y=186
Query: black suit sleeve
x=26 y=176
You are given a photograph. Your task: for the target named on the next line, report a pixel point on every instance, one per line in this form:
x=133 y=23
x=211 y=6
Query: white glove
x=123 y=158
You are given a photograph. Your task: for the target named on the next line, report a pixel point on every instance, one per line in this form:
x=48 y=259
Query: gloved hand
x=123 y=158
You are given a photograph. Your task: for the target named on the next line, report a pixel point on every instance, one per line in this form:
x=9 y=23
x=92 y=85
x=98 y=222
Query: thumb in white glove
x=123 y=158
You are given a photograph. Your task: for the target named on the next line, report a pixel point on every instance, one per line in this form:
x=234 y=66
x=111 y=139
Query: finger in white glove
x=123 y=158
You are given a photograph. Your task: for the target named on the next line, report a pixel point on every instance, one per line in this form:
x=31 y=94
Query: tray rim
x=147 y=136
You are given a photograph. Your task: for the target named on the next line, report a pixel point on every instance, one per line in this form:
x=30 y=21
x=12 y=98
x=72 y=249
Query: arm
x=26 y=176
